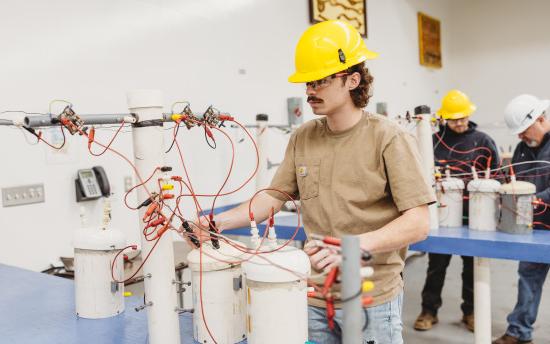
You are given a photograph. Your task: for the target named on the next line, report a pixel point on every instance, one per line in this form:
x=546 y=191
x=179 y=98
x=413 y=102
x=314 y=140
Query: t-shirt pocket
x=308 y=171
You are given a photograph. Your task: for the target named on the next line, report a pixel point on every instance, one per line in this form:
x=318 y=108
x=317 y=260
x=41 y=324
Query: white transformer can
x=450 y=197
x=96 y=294
x=483 y=206
x=220 y=305
x=276 y=291
x=516 y=209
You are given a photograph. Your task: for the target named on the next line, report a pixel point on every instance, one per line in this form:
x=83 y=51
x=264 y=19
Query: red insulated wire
x=272 y=218
x=106 y=148
x=243 y=184
x=228 y=172
x=140 y=266
x=40 y=138
x=142 y=183
x=440 y=139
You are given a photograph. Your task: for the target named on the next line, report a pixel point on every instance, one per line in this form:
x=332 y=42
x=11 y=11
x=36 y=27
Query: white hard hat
x=522 y=111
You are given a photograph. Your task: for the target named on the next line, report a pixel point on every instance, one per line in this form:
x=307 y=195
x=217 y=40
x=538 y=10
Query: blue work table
x=39 y=308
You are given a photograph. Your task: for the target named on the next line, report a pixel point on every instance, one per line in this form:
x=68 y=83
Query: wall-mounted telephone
x=92 y=184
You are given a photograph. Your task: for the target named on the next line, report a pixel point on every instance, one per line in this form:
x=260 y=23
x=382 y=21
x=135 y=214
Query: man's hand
x=322 y=258
x=200 y=228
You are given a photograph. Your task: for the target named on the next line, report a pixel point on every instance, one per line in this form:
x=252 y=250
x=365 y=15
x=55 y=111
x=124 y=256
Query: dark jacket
x=466 y=141
x=537 y=172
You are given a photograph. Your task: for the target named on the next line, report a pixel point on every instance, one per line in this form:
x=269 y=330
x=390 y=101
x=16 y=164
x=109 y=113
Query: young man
x=354 y=172
x=525 y=116
x=458 y=145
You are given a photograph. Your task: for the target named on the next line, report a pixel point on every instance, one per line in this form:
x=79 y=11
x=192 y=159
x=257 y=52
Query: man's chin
x=532 y=143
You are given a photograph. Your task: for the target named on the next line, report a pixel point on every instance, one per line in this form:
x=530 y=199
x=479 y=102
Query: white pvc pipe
x=425 y=147
x=162 y=318
x=352 y=332
x=262 y=177
x=482 y=300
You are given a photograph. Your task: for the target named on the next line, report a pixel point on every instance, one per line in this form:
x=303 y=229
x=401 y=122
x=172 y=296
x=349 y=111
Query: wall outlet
x=21 y=195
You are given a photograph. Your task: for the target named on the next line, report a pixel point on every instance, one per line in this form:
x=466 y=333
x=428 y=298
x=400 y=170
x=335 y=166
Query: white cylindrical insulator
x=262 y=177
x=450 y=193
x=516 y=210
x=482 y=300
x=148 y=143
x=276 y=297
x=483 y=204
x=220 y=305
x=425 y=147
x=96 y=294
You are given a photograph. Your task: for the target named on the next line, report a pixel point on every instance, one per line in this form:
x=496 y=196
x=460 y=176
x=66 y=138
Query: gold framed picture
x=429 y=41
x=352 y=11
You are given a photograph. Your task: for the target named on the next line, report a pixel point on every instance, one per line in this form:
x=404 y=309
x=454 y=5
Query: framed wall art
x=429 y=41
x=351 y=11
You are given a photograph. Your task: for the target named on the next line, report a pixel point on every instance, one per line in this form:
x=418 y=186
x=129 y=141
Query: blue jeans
x=522 y=318
x=383 y=324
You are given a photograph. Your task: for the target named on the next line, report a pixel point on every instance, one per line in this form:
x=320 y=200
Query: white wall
x=91 y=53
x=501 y=48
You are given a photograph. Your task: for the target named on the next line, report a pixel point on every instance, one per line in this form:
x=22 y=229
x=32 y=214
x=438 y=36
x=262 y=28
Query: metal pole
x=351 y=291
x=46 y=120
x=482 y=300
x=160 y=291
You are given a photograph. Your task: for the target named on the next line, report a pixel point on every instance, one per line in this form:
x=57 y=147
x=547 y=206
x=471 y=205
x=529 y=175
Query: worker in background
x=458 y=145
x=526 y=117
x=347 y=169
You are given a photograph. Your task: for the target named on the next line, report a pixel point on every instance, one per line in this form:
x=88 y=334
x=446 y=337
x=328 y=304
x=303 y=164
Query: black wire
x=353 y=296
x=208 y=141
x=174 y=140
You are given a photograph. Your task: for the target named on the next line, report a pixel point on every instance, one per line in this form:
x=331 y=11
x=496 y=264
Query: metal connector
x=183 y=310
x=142 y=307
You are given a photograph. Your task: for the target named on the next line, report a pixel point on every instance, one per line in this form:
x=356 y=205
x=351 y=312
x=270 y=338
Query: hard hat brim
x=317 y=75
x=450 y=115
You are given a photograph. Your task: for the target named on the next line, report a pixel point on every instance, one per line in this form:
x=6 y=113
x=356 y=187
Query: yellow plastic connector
x=167 y=187
x=177 y=117
x=127 y=293
x=367 y=286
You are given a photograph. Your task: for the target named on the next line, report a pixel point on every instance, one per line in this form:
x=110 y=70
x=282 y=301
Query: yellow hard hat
x=326 y=48
x=456 y=105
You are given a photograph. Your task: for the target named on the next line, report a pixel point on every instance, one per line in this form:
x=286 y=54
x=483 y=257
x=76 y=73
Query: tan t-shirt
x=353 y=182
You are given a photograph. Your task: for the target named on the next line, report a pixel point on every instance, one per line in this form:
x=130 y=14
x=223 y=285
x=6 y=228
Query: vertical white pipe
x=425 y=147
x=262 y=176
x=162 y=318
x=482 y=300
x=351 y=284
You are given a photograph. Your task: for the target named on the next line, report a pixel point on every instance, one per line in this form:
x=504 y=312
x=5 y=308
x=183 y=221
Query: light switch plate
x=21 y=195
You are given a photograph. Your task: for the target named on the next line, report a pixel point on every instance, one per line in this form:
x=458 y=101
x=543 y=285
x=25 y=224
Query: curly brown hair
x=362 y=93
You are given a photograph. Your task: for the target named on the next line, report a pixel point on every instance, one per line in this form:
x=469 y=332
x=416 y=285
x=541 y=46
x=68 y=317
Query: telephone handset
x=91 y=184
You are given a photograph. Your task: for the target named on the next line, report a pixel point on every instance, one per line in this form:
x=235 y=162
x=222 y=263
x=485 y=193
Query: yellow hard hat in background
x=456 y=105
x=326 y=48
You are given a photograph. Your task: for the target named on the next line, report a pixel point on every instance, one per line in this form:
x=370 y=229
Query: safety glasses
x=324 y=82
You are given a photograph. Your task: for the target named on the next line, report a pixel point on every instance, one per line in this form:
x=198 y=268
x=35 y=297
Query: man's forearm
x=239 y=216
x=412 y=226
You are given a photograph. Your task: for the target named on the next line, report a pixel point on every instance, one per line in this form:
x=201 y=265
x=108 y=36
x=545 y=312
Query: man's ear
x=354 y=80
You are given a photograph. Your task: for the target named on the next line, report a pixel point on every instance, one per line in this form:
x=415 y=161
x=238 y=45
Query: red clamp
x=329 y=281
